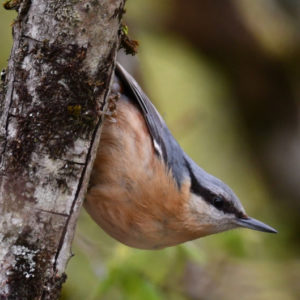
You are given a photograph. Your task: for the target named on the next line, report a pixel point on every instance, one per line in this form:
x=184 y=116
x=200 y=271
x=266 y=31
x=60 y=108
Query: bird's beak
x=255 y=225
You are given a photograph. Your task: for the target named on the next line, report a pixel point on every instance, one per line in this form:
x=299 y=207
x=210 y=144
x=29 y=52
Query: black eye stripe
x=218 y=202
x=208 y=196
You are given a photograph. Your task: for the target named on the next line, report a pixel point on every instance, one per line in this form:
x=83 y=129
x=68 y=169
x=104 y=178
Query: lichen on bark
x=54 y=93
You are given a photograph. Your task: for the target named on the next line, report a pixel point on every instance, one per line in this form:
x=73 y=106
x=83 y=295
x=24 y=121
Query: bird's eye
x=218 y=201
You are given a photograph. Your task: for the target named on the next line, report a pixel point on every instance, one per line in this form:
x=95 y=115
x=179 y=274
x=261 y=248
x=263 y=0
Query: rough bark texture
x=57 y=81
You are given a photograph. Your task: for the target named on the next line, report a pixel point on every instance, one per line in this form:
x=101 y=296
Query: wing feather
x=164 y=143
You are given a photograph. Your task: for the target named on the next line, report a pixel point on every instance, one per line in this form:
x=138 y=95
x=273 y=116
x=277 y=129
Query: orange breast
x=132 y=195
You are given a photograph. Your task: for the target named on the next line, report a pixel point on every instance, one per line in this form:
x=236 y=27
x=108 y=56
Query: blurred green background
x=225 y=76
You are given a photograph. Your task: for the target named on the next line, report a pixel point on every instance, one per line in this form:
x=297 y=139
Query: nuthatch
x=145 y=191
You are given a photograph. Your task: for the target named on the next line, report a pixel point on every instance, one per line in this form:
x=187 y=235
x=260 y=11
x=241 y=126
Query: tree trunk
x=51 y=103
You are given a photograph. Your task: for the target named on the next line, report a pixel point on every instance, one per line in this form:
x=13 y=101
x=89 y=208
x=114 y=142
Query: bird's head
x=214 y=207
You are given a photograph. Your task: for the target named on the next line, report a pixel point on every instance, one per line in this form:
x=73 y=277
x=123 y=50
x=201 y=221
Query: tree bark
x=51 y=106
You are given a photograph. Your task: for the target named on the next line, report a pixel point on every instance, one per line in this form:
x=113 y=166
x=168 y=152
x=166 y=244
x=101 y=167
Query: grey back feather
x=167 y=148
x=164 y=143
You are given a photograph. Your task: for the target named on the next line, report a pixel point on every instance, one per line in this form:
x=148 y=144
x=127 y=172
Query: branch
x=57 y=82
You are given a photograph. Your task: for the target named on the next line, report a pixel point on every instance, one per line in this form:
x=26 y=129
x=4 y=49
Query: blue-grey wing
x=164 y=143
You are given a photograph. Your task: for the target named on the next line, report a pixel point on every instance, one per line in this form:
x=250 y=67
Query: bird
x=144 y=190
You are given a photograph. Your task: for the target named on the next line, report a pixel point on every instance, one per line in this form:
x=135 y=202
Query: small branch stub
x=56 y=83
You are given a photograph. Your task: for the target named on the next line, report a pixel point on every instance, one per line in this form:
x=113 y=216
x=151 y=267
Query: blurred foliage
x=192 y=93
x=6 y=19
